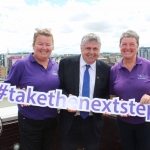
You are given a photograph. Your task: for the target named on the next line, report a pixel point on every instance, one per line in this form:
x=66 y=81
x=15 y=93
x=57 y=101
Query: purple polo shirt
x=127 y=85
x=27 y=72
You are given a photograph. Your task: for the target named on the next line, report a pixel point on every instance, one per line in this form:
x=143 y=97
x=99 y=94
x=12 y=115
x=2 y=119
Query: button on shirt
x=92 y=72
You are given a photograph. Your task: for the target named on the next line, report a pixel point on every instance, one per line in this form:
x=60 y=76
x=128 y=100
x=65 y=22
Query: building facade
x=144 y=52
x=3 y=72
x=2 y=60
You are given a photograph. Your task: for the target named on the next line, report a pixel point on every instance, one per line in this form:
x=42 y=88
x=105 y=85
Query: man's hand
x=71 y=110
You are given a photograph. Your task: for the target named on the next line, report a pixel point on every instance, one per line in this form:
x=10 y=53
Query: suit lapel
x=98 y=77
x=76 y=69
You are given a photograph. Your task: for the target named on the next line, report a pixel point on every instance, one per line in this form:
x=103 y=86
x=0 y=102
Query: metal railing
x=1 y=126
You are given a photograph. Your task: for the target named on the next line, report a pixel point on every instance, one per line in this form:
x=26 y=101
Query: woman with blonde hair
x=37 y=124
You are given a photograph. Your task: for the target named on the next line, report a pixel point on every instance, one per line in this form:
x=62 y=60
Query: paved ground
x=6 y=103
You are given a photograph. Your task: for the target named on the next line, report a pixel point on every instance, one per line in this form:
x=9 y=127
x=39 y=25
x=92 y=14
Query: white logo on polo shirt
x=142 y=76
x=55 y=72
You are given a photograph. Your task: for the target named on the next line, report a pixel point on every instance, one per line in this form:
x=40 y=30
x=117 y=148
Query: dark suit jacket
x=69 y=68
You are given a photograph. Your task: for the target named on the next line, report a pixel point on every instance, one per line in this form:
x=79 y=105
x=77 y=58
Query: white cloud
x=71 y=21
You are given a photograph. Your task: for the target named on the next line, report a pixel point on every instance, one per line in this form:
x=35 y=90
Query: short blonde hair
x=45 y=32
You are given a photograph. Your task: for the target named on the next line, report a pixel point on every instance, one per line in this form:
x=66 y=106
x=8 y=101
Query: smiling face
x=42 y=47
x=128 y=47
x=90 y=51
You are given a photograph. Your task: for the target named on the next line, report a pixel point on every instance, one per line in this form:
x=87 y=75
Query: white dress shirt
x=92 y=73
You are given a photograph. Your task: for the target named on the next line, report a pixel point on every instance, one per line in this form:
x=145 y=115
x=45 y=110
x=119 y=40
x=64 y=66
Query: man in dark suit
x=75 y=128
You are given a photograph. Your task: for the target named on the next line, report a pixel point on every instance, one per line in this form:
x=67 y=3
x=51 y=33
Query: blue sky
x=69 y=20
x=53 y=2
x=36 y=2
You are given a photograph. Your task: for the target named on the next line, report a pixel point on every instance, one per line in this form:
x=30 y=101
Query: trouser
x=82 y=131
x=134 y=136
x=36 y=134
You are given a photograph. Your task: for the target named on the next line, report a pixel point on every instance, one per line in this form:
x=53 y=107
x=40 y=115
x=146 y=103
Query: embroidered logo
x=142 y=76
x=55 y=72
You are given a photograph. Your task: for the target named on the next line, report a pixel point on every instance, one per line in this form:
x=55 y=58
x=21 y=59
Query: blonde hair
x=45 y=32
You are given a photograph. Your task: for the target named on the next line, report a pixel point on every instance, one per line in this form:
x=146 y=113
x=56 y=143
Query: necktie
x=86 y=89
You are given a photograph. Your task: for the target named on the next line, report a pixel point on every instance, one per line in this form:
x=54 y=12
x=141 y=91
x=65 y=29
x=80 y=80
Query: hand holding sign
x=55 y=99
x=126 y=115
x=23 y=105
x=145 y=99
x=70 y=107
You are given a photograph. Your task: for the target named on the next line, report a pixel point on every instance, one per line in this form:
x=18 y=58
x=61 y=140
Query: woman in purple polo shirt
x=129 y=79
x=37 y=124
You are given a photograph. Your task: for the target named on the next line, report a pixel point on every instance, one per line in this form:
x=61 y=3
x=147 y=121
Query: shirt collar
x=138 y=62
x=32 y=59
x=83 y=63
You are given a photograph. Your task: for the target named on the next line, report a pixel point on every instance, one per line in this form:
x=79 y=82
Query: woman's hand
x=126 y=115
x=106 y=114
x=145 y=99
x=24 y=105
